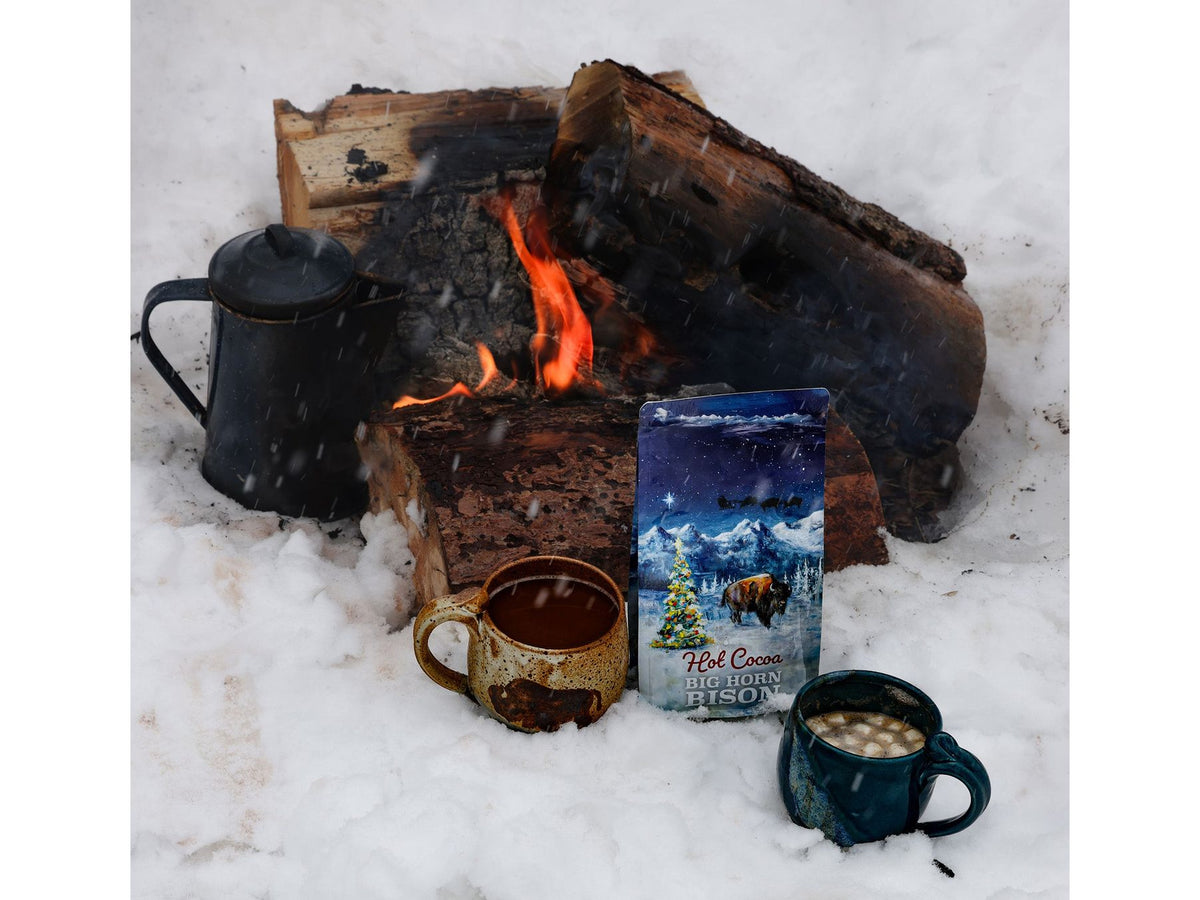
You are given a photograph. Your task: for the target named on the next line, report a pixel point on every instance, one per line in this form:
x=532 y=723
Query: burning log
x=757 y=273
x=404 y=180
x=480 y=482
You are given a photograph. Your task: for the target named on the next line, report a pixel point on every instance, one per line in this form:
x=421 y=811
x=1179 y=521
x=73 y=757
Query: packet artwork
x=729 y=521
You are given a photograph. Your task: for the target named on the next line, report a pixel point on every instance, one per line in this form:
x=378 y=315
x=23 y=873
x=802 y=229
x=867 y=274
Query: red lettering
x=741 y=659
x=704 y=662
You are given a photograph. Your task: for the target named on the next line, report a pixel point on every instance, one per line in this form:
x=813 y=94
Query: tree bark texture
x=755 y=272
x=481 y=482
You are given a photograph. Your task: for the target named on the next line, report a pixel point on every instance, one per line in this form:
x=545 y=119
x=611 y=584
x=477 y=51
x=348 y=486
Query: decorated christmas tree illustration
x=682 y=623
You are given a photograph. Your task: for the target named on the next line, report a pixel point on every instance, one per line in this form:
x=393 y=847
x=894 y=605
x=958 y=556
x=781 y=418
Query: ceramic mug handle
x=943 y=756
x=463 y=607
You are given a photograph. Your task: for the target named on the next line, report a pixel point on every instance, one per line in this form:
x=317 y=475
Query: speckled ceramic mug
x=548 y=643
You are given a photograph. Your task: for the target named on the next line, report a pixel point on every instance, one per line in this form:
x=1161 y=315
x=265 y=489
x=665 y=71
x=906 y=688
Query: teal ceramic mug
x=854 y=798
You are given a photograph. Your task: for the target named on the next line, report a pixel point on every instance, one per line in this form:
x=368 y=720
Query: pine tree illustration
x=682 y=623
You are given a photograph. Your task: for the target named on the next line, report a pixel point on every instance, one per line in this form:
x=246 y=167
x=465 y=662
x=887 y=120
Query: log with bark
x=755 y=272
x=480 y=482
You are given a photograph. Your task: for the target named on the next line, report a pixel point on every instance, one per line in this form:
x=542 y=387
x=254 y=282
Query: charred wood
x=755 y=272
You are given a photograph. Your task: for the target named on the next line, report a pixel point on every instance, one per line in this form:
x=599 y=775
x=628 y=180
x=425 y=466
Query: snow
x=283 y=740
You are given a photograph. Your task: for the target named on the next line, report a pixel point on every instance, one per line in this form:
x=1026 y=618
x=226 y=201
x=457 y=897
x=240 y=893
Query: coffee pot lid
x=280 y=272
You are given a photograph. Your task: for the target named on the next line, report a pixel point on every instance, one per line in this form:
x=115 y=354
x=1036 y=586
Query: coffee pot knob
x=280 y=240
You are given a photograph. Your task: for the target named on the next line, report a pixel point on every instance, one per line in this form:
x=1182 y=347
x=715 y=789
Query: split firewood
x=755 y=272
x=342 y=167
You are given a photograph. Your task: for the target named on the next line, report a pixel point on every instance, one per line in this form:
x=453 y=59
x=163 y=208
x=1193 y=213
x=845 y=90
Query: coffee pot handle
x=943 y=756
x=180 y=289
x=463 y=607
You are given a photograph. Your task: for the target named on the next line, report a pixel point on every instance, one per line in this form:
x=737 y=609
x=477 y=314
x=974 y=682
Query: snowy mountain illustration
x=749 y=547
x=807 y=534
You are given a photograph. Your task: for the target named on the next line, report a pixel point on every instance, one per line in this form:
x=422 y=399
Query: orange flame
x=488 y=364
x=562 y=347
x=486 y=361
x=638 y=343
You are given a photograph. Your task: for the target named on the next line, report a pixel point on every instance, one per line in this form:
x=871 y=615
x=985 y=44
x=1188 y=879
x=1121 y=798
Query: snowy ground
x=284 y=742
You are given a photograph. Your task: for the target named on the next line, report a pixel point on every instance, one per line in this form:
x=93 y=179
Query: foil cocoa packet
x=729 y=547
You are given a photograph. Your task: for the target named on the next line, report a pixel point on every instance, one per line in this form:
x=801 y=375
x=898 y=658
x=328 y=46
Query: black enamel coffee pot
x=294 y=341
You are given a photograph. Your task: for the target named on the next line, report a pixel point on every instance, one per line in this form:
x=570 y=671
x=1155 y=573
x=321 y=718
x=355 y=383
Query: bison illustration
x=764 y=595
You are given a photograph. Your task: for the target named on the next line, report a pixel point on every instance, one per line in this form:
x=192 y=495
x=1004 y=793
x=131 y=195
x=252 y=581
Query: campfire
x=561 y=347
x=486 y=362
x=566 y=255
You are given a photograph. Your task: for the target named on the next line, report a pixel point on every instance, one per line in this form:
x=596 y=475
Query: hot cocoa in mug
x=548 y=643
x=872 y=734
x=555 y=613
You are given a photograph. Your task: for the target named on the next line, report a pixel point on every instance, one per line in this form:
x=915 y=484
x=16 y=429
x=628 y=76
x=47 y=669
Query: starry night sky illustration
x=685 y=467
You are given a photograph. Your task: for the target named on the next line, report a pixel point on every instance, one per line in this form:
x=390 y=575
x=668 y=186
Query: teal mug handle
x=943 y=756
